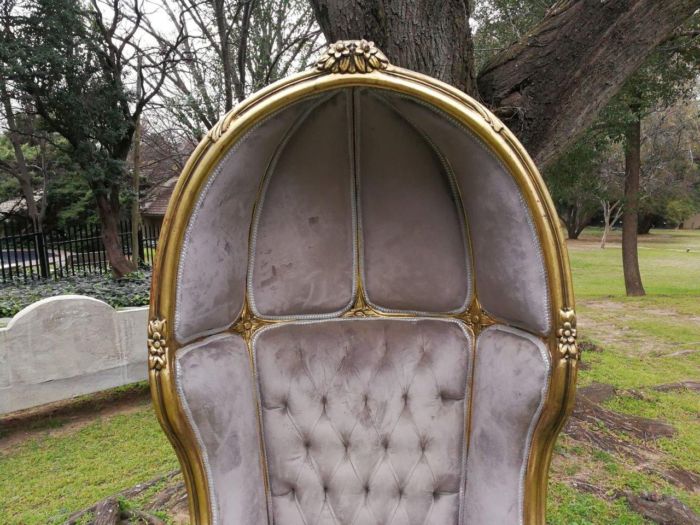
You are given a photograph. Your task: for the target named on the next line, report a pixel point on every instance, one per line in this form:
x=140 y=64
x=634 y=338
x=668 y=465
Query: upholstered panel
x=213 y=262
x=414 y=254
x=510 y=382
x=364 y=420
x=303 y=255
x=214 y=380
x=509 y=265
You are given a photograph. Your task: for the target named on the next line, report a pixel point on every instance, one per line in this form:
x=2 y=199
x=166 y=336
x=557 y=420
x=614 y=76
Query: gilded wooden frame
x=336 y=69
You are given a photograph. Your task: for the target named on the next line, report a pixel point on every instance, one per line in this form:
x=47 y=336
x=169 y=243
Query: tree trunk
x=551 y=85
x=606 y=223
x=107 y=512
x=645 y=223
x=432 y=37
x=548 y=87
x=223 y=32
x=630 y=215
x=135 y=180
x=135 y=212
x=611 y=214
x=108 y=211
x=576 y=220
x=604 y=237
x=571 y=222
x=22 y=172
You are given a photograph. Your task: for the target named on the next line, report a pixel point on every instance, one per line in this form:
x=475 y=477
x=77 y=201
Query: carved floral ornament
x=248 y=324
x=567 y=334
x=352 y=56
x=157 y=344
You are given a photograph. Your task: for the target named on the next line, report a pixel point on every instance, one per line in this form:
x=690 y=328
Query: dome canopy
x=359 y=184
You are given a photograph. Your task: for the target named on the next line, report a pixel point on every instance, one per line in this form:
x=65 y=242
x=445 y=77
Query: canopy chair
x=362 y=309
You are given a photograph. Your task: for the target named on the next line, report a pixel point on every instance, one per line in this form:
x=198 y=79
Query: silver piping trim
x=189 y=232
x=258 y=211
x=531 y=226
x=213 y=504
x=544 y=353
x=461 y=211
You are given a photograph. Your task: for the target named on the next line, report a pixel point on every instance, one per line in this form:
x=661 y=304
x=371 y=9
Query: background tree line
x=603 y=95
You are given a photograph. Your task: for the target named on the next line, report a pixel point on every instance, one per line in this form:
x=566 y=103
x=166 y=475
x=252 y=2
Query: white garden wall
x=69 y=345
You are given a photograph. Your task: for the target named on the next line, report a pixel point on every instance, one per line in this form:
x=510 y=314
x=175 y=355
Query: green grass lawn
x=63 y=468
x=669 y=262
x=68 y=467
x=647 y=341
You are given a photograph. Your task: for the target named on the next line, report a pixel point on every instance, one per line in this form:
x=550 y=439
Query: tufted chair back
x=362 y=309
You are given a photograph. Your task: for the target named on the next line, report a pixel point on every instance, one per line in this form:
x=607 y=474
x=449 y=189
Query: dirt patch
x=173 y=500
x=588 y=412
x=67 y=416
x=611 y=431
x=596 y=392
x=664 y=510
x=619 y=318
x=586 y=345
x=678 y=477
x=680 y=353
x=693 y=386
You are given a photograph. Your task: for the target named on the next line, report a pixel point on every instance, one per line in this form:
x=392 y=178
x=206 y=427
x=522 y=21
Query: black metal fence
x=28 y=256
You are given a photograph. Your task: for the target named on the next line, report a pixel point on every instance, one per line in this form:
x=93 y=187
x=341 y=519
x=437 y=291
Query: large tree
x=667 y=74
x=75 y=64
x=549 y=85
x=18 y=132
x=575 y=183
x=232 y=48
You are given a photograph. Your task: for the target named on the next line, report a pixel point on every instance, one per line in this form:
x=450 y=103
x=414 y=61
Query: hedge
x=132 y=290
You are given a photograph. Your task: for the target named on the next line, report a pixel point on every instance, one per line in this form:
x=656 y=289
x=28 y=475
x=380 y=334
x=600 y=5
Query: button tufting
x=390 y=437
x=385 y=443
x=424 y=441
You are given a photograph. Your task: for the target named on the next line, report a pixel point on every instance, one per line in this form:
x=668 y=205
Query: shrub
x=132 y=290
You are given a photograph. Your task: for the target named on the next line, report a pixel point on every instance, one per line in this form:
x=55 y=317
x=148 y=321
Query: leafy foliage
x=576 y=184
x=67 y=197
x=55 y=57
x=83 y=69
x=132 y=290
x=500 y=23
x=592 y=170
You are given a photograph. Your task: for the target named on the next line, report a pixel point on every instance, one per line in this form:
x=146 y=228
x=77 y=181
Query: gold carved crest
x=352 y=56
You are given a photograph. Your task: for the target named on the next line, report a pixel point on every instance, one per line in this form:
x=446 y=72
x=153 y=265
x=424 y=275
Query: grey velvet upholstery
x=216 y=388
x=303 y=256
x=370 y=421
x=510 y=382
x=364 y=420
x=409 y=212
x=214 y=259
x=419 y=175
x=509 y=265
